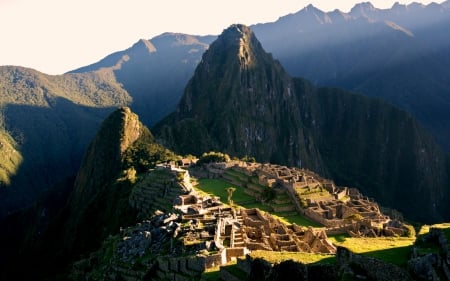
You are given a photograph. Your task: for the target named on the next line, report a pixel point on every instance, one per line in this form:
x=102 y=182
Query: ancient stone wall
x=373 y=268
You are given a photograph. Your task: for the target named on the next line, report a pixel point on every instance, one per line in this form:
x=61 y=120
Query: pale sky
x=55 y=36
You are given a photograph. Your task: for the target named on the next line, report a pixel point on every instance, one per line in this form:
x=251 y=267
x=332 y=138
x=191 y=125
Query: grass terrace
x=217 y=187
x=429 y=247
x=305 y=258
x=395 y=250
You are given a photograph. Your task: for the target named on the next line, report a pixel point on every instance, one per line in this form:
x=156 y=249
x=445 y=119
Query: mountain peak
x=236 y=32
x=363 y=9
x=142 y=46
x=175 y=39
x=237 y=93
x=117 y=132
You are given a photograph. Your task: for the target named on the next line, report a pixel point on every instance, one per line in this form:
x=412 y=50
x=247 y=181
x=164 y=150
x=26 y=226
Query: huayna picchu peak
x=242 y=102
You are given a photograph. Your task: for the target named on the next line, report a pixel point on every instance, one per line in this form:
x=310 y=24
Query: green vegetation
x=389 y=249
x=425 y=247
x=10 y=158
x=217 y=187
x=297 y=219
x=305 y=258
x=145 y=153
x=212 y=156
x=20 y=85
x=230 y=191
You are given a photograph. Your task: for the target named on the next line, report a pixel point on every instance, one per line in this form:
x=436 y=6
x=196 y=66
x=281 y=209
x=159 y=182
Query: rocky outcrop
x=432 y=265
x=364 y=267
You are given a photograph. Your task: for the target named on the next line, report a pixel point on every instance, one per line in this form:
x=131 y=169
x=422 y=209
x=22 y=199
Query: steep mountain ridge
x=98 y=205
x=399 y=54
x=240 y=101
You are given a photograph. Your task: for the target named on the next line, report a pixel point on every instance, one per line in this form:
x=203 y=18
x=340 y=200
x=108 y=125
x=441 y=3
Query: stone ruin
x=223 y=234
x=339 y=209
x=263 y=232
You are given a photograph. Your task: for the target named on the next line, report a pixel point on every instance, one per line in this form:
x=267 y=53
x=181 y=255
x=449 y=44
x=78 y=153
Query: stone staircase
x=238 y=235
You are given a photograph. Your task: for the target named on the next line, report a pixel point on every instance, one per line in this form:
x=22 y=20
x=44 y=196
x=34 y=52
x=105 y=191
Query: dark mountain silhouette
x=74 y=219
x=242 y=102
x=400 y=55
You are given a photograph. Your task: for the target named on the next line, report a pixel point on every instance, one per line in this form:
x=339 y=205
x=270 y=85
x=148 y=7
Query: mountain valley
x=182 y=157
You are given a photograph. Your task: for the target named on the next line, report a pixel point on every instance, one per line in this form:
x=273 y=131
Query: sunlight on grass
x=217 y=187
x=305 y=258
x=389 y=249
x=297 y=219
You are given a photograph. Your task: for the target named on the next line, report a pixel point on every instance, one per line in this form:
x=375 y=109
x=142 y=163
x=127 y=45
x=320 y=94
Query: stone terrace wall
x=373 y=268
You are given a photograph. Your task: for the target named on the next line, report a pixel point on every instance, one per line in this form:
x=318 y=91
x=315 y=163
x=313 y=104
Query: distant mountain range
x=154 y=72
x=400 y=55
x=239 y=100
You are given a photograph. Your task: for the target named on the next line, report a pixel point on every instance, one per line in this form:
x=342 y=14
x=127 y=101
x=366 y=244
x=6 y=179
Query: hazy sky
x=55 y=36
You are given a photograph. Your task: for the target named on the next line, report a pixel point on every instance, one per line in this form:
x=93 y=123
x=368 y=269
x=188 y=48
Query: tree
x=230 y=191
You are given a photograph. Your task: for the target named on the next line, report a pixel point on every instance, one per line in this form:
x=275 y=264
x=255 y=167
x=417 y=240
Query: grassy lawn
x=305 y=258
x=297 y=219
x=217 y=187
x=388 y=249
x=429 y=247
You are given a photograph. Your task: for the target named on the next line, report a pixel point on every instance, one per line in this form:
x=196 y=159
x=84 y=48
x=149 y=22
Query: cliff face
x=377 y=148
x=240 y=101
x=399 y=54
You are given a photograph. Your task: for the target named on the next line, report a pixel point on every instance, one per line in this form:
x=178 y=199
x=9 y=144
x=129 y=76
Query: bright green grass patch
x=425 y=247
x=297 y=219
x=389 y=249
x=217 y=187
x=305 y=258
x=257 y=205
x=212 y=274
x=426 y=228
